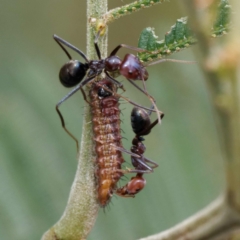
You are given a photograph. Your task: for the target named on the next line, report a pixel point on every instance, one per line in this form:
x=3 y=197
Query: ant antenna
x=96 y=45
x=170 y=60
x=158 y=112
x=150 y=111
x=116 y=49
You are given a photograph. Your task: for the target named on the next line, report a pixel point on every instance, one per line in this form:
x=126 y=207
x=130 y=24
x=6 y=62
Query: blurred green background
x=37 y=158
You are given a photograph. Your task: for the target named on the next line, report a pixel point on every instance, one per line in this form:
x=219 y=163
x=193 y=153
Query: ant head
x=132 y=68
x=72 y=73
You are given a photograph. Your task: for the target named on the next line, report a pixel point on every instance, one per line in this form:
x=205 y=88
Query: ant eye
x=72 y=73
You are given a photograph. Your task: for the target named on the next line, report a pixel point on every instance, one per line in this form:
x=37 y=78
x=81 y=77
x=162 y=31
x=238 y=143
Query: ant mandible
x=141 y=126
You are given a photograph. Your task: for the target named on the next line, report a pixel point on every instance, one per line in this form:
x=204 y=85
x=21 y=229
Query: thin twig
x=116 y=13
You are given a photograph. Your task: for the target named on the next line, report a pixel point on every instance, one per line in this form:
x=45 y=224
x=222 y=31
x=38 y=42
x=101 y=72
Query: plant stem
x=128 y=9
x=210 y=221
x=82 y=208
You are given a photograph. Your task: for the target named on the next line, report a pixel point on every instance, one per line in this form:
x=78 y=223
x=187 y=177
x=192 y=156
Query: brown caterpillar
x=108 y=145
x=107 y=134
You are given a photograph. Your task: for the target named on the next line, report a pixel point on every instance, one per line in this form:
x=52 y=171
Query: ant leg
x=152 y=162
x=116 y=49
x=123 y=192
x=75 y=89
x=130 y=101
x=125 y=151
x=149 y=128
x=64 y=99
x=140 y=159
x=135 y=170
x=85 y=96
x=152 y=100
x=137 y=105
x=66 y=130
x=119 y=85
x=159 y=113
x=169 y=60
x=150 y=111
x=142 y=162
x=61 y=41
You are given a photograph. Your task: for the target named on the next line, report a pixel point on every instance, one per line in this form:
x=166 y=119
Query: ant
x=141 y=126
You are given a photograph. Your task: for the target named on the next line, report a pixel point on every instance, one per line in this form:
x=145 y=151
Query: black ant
x=73 y=72
x=141 y=126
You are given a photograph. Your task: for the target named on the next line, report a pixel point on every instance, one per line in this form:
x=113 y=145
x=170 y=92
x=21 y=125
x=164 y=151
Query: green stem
x=128 y=9
x=82 y=208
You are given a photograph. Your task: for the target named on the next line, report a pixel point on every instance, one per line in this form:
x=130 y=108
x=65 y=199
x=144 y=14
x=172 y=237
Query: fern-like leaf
x=180 y=36
x=221 y=25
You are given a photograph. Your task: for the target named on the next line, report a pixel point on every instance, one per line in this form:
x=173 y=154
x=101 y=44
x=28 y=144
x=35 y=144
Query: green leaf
x=221 y=25
x=179 y=37
x=147 y=39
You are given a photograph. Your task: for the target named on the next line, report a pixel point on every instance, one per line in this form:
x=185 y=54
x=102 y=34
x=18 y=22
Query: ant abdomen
x=139 y=120
x=132 y=68
x=72 y=73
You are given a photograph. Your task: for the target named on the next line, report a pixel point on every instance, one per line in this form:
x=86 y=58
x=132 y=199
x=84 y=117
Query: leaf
x=221 y=25
x=179 y=37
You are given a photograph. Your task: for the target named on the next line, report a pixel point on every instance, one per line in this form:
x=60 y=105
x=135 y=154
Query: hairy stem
x=82 y=208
